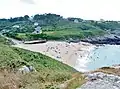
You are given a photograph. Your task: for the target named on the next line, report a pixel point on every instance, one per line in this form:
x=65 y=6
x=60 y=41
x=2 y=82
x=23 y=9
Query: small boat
x=35 y=41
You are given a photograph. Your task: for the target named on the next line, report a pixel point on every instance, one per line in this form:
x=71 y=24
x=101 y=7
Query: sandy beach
x=73 y=54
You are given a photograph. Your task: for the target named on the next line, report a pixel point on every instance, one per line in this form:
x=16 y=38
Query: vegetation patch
x=109 y=70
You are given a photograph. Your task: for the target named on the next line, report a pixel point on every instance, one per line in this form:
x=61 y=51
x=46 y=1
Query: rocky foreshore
x=101 y=80
x=107 y=39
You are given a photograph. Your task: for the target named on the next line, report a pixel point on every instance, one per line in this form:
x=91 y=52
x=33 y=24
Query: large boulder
x=26 y=69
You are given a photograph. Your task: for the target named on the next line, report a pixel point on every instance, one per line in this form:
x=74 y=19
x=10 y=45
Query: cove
x=104 y=56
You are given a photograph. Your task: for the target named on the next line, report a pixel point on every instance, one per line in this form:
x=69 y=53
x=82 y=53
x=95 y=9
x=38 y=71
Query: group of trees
x=43 y=20
x=49 y=18
x=55 y=21
x=25 y=18
x=51 y=22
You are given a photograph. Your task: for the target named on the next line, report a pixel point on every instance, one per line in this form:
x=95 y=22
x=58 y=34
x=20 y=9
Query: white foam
x=81 y=63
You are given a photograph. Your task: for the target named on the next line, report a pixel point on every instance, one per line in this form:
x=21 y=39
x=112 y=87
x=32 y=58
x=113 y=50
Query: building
x=76 y=21
x=36 y=24
x=37 y=30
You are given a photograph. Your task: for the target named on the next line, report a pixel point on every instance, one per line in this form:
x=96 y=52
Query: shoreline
x=85 y=60
x=73 y=54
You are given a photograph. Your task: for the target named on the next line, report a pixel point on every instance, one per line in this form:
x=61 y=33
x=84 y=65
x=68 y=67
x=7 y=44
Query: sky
x=85 y=9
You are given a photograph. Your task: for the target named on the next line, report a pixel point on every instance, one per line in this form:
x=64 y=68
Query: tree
x=26 y=17
x=36 y=17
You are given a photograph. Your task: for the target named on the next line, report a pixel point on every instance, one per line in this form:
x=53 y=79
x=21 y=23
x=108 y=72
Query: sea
x=104 y=56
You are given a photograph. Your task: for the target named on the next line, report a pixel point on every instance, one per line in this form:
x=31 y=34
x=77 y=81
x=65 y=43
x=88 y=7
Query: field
x=50 y=73
x=60 y=34
x=74 y=33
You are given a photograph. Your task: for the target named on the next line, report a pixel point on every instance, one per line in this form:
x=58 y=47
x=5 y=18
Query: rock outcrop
x=101 y=80
x=26 y=69
x=107 y=39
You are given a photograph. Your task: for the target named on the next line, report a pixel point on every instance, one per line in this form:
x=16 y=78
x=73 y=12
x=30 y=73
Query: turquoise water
x=107 y=55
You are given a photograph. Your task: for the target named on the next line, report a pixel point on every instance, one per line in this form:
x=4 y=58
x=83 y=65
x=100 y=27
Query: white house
x=76 y=21
x=36 y=24
x=37 y=30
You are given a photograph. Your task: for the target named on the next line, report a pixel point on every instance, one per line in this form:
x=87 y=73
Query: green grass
x=61 y=34
x=41 y=62
x=75 y=34
x=72 y=32
x=50 y=73
x=21 y=36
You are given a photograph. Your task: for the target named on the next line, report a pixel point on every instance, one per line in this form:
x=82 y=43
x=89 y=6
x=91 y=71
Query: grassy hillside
x=61 y=27
x=50 y=73
x=56 y=23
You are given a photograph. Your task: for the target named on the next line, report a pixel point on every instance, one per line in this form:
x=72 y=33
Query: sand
x=73 y=54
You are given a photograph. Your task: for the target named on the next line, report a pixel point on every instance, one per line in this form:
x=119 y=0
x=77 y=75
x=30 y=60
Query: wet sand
x=73 y=54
